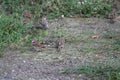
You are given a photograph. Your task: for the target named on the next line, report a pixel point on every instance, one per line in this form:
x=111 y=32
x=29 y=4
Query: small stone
x=62 y=16
x=24 y=61
x=96 y=55
x=31 y=79
x=13 y=70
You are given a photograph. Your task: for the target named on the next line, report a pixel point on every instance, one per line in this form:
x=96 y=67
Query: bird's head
x=34 y=40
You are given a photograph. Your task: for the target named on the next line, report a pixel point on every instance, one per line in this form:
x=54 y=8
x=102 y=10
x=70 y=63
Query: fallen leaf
x=95 y=36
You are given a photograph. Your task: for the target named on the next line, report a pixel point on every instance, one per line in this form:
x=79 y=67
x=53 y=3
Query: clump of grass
x=95 y=7
x=11 y=30
x=1 y=54
x=72 y=39
x=58 y=32
x=113 y=38
x=110 y=35
x=116 y=45
x=54 y=8
x=108 y=71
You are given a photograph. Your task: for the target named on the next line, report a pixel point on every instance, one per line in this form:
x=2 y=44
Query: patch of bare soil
x=85 y=42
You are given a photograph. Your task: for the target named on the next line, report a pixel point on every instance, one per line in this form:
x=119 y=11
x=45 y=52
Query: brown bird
x=37 y=45
x=25 y=20
x=43 y=24
x=112 y=16
x=27 y=14
x=59 y=44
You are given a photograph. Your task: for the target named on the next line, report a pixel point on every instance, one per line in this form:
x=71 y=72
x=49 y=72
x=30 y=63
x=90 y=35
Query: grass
x=98 y=71
x=113 y=37
x=11 y=30
x=103 y=69
x=55 y=8
x=1 y=54
x=116 y=45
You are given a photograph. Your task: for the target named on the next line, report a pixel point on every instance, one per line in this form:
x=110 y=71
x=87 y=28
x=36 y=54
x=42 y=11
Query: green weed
x=99 y=70
x=1 y=54
x=116 y=45
x=95 y=7
x=113 y=38
x=11 y=30
x=54 y=8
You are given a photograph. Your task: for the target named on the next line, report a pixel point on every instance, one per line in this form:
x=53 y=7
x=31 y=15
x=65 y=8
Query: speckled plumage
x=60 y=43
x=36 y=45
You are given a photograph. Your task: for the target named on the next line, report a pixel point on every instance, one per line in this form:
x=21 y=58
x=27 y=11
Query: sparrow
x=27 y=14
x=36 y=45
x=43 y=24
x=112 y=16
x=59 y=44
